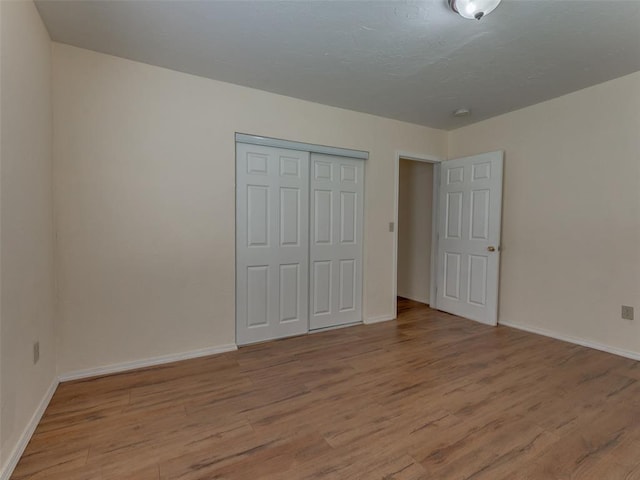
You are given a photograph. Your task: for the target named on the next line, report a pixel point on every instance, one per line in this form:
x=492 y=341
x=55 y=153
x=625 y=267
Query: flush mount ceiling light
x=461 y=112
x=473 y=8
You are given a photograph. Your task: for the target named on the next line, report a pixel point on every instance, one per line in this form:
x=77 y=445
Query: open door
x=470 y=211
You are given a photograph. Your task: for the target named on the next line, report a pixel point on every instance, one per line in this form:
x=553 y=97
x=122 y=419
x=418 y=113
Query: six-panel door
x=336 y=240
x=470 y=206
x=272 y=243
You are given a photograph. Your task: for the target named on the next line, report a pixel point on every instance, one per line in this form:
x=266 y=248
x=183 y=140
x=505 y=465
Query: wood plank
x=429 y=396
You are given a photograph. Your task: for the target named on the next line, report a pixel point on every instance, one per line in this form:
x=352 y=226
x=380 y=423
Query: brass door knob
x=491 y=248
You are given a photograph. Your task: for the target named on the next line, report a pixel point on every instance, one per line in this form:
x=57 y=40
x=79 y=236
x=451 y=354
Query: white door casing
x=336 y=231
x=469 y=217
x=272 y=243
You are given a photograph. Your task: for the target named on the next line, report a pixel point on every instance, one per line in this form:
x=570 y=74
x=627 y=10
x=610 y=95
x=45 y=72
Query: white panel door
x=337 y=186
x=272 y=243
x=470 y=209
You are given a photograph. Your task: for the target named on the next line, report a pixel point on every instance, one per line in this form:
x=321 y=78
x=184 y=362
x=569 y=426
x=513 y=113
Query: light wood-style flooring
x=431 y=396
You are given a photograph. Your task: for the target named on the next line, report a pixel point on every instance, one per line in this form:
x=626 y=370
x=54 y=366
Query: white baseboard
x=14 y=457
x=571 y=339
x=415 y=299
x=379 y=318
x=147 y=362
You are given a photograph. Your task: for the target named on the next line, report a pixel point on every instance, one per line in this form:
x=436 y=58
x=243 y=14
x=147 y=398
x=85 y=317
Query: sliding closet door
x=337 y=186
x=272 y=243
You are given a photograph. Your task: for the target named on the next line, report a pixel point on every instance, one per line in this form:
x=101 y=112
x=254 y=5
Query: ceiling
x=408 y=60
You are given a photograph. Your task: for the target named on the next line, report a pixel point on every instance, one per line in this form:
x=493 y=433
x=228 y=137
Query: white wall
x=144 y=192
x=415 y=203
x=26 y=238
x=571 y=220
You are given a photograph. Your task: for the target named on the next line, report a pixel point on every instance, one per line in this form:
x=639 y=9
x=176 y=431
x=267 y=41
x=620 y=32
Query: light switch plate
x=36 y=352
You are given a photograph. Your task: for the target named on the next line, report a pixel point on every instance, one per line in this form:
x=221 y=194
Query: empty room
x=288 y=240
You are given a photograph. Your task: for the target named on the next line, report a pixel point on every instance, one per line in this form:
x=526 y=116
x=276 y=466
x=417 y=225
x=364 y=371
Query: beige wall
x=26 y=238
x=144 y=191
x=144 y=188
x=571 y=219
x=415 y=201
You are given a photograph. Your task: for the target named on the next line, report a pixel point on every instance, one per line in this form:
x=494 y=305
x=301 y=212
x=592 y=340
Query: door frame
x=435 y=161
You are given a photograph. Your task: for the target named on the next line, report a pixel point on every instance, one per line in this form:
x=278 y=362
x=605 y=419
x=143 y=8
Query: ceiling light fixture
x=473 y=8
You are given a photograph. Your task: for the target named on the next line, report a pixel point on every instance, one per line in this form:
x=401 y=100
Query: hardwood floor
x=431 y=396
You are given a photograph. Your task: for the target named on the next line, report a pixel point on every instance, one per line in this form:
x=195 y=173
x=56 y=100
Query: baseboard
x=379 y=318
x=576 y=340
x=14 y=457
x=147 y=362
x=419 y=300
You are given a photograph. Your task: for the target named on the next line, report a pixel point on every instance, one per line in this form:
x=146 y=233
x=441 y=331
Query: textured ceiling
x=413 y=61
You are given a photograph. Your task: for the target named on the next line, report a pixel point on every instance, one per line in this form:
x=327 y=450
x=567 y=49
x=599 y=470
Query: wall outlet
x=627 y=312
x=36 y=352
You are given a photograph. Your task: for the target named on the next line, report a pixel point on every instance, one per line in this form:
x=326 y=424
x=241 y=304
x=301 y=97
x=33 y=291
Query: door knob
x=491 y=248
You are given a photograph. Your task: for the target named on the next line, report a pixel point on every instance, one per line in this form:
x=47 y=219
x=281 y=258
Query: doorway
x=465 y=234
x=415 y=239
x=415 y=216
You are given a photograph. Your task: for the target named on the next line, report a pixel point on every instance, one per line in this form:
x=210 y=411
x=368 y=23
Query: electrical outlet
x=36 y=352
x=627 y=312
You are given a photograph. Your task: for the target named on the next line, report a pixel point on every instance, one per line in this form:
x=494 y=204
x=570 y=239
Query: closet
x=299 y=223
